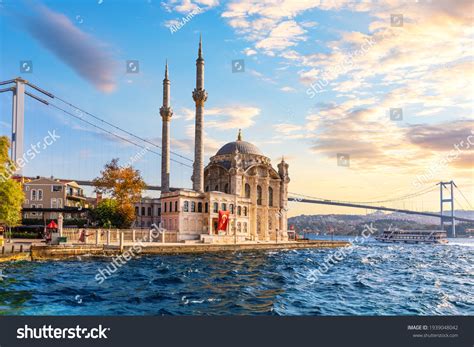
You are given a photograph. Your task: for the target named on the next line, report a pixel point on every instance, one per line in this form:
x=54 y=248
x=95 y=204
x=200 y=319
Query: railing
x=112 y=236
x=14 y=248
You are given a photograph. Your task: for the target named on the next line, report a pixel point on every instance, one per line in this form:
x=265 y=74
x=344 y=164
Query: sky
x=365 y=100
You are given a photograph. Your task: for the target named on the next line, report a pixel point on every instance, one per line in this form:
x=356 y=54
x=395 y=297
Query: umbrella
x=52 y=225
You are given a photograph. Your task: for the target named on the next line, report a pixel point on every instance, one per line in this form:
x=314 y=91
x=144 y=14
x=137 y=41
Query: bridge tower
x=18 y=118
x=442 y=186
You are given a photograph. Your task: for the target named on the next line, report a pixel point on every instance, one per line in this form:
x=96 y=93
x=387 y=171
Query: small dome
x=243 y=147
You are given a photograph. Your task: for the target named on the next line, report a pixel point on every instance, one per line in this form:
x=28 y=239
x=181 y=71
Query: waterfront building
x=239 y=179
x=51 y=197
x=147 y=212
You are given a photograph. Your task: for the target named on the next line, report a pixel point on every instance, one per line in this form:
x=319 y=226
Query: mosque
x=239 y=179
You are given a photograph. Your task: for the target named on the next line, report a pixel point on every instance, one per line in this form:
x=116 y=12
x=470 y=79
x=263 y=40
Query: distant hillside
x=343 y=224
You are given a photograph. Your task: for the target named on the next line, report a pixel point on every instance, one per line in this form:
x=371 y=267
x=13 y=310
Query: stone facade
x=239 y=178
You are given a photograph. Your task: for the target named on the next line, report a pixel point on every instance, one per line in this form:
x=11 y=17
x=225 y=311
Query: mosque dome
x=243 y=147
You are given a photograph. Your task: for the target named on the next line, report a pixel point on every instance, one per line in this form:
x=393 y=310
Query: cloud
x=229 y=117
x=87 y=56
x=288 y=89
x=187 y=6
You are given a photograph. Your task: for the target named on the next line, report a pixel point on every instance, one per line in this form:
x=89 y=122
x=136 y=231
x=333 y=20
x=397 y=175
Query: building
x=147 y=213
x=239 y=179
x=55 y=195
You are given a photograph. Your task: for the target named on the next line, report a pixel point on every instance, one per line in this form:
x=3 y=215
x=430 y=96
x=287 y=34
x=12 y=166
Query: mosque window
x=199 y=207
x=245 y=211
x=193 y=206
x=206 y=209
x=259 y=195
x=231 y=208
x=239 y=210
x=216 y=207
x=247 y=190
x=224 y=206
x=186 y=206
x=270 y=196
x=226 y=188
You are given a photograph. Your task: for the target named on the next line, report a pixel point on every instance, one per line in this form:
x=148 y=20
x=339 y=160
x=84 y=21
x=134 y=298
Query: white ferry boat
x=413 y=236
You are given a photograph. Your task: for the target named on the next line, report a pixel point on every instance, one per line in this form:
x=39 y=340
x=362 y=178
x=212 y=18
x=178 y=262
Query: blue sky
x=79 y=50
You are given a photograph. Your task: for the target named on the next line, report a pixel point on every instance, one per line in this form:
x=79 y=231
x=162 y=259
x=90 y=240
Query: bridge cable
x=118 y=128
x=113 y=134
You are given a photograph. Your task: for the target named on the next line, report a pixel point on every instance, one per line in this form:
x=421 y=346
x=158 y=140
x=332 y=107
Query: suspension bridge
x=21 y=88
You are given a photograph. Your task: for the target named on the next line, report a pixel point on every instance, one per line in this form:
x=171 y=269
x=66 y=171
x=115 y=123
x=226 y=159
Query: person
x=82 y=237
x=48 y=236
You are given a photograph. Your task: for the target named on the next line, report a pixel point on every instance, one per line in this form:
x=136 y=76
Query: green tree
x=108 y=214
x=11 y=193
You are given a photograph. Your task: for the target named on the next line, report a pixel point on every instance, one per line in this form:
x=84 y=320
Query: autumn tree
x=11 y=193
x=123 y=184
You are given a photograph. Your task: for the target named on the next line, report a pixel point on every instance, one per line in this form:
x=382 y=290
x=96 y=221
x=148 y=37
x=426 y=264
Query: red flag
x=223 y=220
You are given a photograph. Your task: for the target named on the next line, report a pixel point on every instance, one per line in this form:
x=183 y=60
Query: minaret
x=200 y=97
x=285 y=179
x=166 y=114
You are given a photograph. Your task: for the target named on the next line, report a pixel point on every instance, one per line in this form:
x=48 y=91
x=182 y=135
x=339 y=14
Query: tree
x=125 y=185
x=11 y=193
x=108 y=215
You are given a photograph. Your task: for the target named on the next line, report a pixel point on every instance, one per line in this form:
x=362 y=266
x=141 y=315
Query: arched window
x=224 y=206
x=239 y=227
x=216 y=207
x=270 y=224
x=259 y=195
x=149 y=211
x=231 y=208
x=270 y=196
x=136 y=211
x=206 y=208
x=143 y=211
x=171 y=206
x=245 y=211
x=33 y=194
x=207 y=188
x=186 y=206
x=176 y=206
x=200 y=207
x=226 y=188
x=239 y=210
x=247 y=190
x=216 y=188
x=193 y=206
x=164 y=206
x=245 y=227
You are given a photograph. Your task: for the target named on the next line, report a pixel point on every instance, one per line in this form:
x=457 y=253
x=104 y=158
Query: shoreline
x=45 y=252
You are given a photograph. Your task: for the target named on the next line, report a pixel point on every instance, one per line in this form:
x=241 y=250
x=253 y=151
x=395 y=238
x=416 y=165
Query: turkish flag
x=223 y=220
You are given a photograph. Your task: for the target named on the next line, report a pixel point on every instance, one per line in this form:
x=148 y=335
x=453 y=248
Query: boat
x=413 y=236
